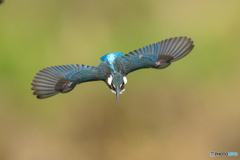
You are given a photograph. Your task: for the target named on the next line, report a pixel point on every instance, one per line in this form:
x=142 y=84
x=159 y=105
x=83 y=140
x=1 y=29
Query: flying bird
x=113 y=69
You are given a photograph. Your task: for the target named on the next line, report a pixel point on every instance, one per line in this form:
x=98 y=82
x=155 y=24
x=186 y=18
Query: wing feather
x=53 y=80
x=158 y=55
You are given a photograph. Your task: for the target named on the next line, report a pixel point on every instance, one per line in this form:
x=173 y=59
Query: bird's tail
x=50 y=81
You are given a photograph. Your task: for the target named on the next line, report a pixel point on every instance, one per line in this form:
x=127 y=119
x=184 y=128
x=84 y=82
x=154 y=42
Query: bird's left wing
x=158 y=55
x=52 y=80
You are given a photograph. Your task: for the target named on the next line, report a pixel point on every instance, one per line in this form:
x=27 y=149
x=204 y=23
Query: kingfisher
x=113 y=69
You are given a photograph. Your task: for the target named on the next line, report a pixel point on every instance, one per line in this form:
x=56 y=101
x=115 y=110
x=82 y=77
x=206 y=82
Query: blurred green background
x=182 y=112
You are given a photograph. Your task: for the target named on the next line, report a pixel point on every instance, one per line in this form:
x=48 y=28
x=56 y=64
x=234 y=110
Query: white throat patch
x=122 y=91
x=119 y=92
x=113 y=91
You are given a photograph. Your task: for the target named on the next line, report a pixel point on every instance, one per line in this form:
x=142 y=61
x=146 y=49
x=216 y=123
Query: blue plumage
x=111 y=56
x=112 y=70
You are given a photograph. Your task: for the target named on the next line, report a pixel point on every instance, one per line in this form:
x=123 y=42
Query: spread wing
x=52 y=80
x=158 y=55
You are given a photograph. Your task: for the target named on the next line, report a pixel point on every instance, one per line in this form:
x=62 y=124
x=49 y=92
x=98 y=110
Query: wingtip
x=177 y=47
x=44 y=82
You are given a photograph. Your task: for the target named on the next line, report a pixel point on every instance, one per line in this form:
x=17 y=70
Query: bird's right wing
x=52 y=80
x=158 y=55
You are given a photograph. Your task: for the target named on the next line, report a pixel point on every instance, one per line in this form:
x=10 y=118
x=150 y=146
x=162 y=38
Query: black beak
x=117 y=92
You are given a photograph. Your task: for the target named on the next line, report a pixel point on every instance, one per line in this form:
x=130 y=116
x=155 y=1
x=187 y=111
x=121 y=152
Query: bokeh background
x=182 y=112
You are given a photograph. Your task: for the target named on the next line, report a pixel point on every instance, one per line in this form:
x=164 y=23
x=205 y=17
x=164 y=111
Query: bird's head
x=117 y=83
